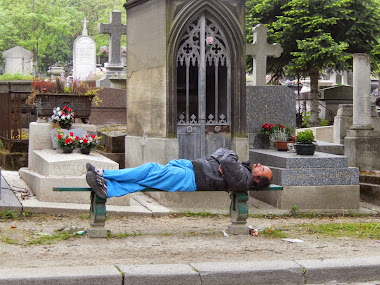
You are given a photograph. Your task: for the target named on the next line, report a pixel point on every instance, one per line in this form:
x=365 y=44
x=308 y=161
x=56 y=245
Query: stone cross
x=115 y=29
x=84 y=31
x=259 y=50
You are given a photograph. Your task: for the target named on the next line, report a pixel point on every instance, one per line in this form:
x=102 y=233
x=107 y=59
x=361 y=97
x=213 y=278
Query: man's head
x=262 y=176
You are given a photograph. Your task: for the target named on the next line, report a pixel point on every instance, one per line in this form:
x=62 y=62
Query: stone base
x=97 y=232
x=238 y=229
x=362 y=151
x=51 y=168
x=326 y=197
x=140 y=150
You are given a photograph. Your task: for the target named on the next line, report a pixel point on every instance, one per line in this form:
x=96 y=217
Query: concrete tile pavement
x=284 y=272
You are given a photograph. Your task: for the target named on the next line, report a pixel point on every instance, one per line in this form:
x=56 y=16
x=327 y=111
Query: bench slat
x=271 y=187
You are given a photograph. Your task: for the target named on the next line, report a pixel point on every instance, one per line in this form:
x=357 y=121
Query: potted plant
x=66 y=142
x=87 y=142
x=262 y=137
x=280 y=139
x=305 y=143
x=63 y=116
x=75 y=94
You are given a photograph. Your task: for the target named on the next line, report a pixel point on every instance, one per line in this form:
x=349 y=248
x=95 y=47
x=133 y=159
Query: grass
x=272 y=233
x=49 y=239
x=354 y=230
x=11 y=215
x=198 y=214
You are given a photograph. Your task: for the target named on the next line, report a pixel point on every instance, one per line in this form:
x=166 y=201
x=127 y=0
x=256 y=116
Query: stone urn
x=81 y=104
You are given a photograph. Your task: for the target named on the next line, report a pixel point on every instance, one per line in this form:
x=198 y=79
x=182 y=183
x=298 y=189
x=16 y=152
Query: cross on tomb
x=115 y=29
x=259 y=50
x=84 y=31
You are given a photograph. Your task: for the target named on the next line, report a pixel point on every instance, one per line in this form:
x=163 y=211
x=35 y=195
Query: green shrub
x=15 y=76
x=305 y=137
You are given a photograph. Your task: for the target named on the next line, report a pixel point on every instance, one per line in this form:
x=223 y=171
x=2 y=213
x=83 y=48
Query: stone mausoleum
x=185 y=79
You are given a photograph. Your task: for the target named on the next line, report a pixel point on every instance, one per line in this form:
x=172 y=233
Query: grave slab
x=320 y=181
x=51 y=168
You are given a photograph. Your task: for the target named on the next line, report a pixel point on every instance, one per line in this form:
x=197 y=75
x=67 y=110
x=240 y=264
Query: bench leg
x=238 y=213
x=97 y=217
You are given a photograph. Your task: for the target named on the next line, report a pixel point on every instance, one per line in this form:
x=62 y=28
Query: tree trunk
x=314 y=97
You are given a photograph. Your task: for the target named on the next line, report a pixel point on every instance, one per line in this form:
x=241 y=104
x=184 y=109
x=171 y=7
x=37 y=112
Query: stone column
x=362 y=92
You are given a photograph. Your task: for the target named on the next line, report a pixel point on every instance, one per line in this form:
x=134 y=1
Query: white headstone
x=259 y=50
x=84 y=55
x=18 y=60
x=362 y=92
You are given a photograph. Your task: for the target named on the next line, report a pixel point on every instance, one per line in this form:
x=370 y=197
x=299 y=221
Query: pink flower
x=209 y=40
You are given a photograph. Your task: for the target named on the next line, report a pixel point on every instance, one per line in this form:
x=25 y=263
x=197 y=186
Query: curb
x=223 y=273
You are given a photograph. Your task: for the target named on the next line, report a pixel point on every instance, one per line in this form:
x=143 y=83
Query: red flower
x=64 y=108
x=282 y=127
x=68 y=141
x=93 y=136
x=71 y=134
x=85 y=140
x=44 y=89
x=76 y=138
x=69 y=109
x=59 y=136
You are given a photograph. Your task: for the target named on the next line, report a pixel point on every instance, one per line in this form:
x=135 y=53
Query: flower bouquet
x=87 y=142
x=64 y=117
x=66 y=142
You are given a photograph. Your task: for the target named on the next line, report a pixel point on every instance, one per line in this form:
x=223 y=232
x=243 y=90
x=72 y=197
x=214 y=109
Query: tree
x=317 y=35
x=49 y=28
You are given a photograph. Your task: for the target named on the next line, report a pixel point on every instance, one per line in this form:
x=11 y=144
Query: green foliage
x=356 y=230
x=305 y=137
x=324 y=123
x=306 y=119
x=15 y=76
x=49 y=28
x=272 y=233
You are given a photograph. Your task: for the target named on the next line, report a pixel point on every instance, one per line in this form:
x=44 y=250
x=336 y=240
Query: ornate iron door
x=203 y=90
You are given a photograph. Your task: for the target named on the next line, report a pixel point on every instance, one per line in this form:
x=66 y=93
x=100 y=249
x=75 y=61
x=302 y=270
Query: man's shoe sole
x=93 y=183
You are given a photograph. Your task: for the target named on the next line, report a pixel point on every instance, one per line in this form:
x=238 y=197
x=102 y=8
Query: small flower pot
x=67 y=149
x=305 y=149
x=281 y=146
x=85 y=150
x=66 y=126
x=261 y=141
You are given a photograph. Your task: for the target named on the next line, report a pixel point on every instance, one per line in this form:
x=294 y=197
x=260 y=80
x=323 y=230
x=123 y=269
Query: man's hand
x=220 y=170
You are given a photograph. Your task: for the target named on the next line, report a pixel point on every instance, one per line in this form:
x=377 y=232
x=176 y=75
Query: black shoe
x=93 y=169
x=98 y=184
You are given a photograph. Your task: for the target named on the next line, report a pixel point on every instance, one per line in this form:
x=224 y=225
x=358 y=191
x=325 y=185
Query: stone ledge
x=285 y=159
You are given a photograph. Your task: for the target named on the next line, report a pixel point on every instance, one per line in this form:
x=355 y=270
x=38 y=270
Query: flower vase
x=85 y=150
x=64 y=125
x=67 y=149
x=261 y=141
x=281 y=146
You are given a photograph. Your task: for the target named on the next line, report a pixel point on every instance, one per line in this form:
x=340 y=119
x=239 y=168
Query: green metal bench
x=238 y=210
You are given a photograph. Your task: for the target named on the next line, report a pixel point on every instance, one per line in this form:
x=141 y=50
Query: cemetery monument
x=18 y=60
x=84 y=55
x=116 y=67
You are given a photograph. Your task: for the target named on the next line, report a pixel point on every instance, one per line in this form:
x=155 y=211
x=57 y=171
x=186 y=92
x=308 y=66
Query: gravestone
x=331 y=97
x=84 y=55
x=362 y=143
x=49 y=168
x=115 y=68
x=259 y=50
x=321 y=181
x=18 y=60
x=271 y=105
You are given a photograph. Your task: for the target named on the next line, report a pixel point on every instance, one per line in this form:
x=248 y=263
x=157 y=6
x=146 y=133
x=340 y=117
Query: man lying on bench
x=221 y=171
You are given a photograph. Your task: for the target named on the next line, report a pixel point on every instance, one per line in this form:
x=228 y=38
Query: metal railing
x=15 y=116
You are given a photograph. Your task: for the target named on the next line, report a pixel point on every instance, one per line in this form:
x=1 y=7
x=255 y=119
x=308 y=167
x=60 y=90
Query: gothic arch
x=234 y=33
